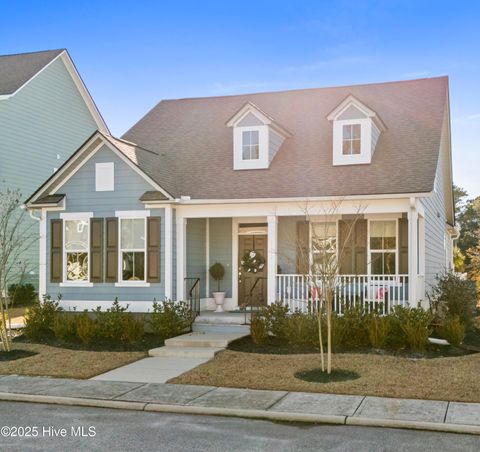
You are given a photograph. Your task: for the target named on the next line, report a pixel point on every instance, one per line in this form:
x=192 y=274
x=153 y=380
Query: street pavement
x=121 y=430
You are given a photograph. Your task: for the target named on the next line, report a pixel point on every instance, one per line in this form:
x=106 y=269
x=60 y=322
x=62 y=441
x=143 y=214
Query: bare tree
x=320 y=264
x=16 y=236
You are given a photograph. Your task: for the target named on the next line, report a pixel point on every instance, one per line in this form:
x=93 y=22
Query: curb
x=243 y=413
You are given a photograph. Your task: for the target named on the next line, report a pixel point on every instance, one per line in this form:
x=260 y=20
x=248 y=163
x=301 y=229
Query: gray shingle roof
x=16 y=70
x=194 y=146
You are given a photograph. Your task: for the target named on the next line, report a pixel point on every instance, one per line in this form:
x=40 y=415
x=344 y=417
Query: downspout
x=42 y=270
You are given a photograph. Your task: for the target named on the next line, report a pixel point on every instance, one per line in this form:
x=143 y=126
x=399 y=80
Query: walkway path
x=247 y=403
x=179 y=355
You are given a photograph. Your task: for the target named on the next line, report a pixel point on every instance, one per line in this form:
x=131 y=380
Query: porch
x=380 y=265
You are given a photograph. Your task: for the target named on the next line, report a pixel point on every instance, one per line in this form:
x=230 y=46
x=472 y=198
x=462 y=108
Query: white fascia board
x=158 y=204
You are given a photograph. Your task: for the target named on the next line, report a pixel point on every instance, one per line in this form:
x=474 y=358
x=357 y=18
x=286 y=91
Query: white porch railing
x=374 y=292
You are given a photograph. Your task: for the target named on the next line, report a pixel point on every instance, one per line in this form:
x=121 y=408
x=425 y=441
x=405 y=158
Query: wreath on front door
x=252 y=262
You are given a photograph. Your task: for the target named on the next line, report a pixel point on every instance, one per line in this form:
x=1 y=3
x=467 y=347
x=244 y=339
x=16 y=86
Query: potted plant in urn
x=217 y=272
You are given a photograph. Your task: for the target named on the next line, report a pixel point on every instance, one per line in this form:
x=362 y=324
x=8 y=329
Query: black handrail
x=249 y=298
x=194 y=295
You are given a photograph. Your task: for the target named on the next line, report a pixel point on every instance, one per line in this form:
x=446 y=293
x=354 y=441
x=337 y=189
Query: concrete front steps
x=196 y=344
x=221 y=322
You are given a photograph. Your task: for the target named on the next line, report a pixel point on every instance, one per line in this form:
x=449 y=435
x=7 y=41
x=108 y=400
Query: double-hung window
x=352 y=139
x=76 y=249
x=383 y=247
x=250 y=145
x=324 y=247
x=132 y=249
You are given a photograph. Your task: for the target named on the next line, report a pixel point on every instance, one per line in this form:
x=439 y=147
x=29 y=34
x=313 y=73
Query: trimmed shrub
x=258 y=329
x=21 y=294
x=301 y=330
x=133 y=329
x=40 y=318
x=378 y=330
x=355 y=326
x=111 y=322
x=65 y=326
x=170 y=319
x=452 y=330
x=453 y=296
x=276 y=315
x=412 y=327
x=87 y=328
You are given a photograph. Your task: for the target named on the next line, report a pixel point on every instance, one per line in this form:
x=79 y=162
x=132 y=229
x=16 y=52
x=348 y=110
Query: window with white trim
x=383 y=247
x=352 y=139
x=76 y=250
x=132 y=249
x=323 y=246
x=250 y=145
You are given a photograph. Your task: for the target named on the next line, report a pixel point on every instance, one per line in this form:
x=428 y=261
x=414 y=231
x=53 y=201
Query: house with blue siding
x=46 y=113
x=272 y=186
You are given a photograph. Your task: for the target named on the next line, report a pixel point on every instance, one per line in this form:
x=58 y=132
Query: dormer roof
x=351 y=101
x=265 y=118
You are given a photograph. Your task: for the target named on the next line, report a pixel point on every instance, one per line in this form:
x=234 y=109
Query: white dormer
x=256 y=138
x=356 y=129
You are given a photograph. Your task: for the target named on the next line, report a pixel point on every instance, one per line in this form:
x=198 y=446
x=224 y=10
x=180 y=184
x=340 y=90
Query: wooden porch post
x=272 y=258
x=181 y=256
x=412 y=253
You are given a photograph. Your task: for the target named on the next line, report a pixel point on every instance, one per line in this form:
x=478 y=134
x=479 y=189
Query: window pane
x=254 y=137
x=383 y=234
x=377 y=263
x=324 y=236
x=355 y=146
x=347 y=147
x=246 y=153
x=76 y=235
x=389 y=263
x=245 y=138
x=347 y=132
x=376 y=243
x=255 y=152
x=133 y=266
x=77 y=266
x=139 y=266
x=356 y=128
x=132 y=233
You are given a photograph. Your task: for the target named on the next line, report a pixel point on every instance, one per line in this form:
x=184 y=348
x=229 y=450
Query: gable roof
x=194 y=146
x=16 y=70
x=47 y=192
x=19 y=69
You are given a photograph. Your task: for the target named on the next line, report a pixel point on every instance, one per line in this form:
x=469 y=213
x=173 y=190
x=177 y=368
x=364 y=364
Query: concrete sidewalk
x=274 y=405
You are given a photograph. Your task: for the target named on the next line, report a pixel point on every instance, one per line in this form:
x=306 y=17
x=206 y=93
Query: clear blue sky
x=133 y=54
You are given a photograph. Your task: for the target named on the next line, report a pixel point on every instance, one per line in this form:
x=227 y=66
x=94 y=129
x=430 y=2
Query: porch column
x=412 y=253
x=42 y=272
x=168 y=252
x=181 y=256
x=272 y=258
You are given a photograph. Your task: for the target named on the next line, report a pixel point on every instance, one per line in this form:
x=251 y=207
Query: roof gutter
x=187 y=201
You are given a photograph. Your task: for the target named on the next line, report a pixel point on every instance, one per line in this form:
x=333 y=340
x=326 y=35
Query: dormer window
x=256 y=138
x=250 y=145
x=356 y=129
x=352 y=137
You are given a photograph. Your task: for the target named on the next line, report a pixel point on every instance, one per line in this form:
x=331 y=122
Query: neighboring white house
x=206 y=180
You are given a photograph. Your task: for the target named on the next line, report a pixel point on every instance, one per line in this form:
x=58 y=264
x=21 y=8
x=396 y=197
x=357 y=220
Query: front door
x=252 y=287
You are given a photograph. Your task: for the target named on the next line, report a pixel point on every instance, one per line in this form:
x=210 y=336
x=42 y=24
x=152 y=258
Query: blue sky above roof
x=132 y=55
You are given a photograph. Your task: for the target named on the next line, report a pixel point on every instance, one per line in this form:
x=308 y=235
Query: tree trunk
x=319 y=317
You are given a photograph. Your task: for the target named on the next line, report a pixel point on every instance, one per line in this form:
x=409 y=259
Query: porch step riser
x=220 y=328
x=183 y=352
x=197 y=344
